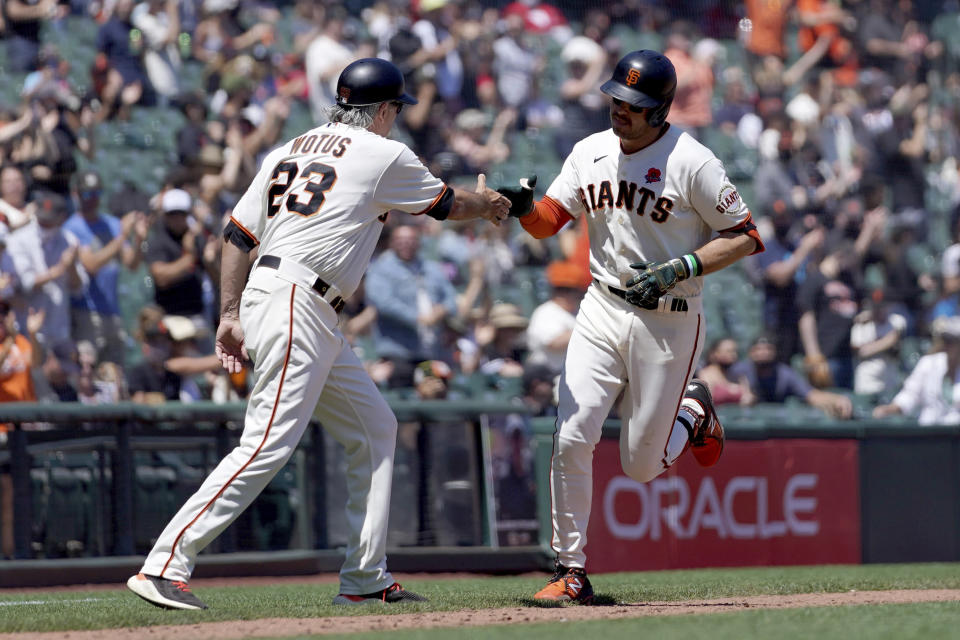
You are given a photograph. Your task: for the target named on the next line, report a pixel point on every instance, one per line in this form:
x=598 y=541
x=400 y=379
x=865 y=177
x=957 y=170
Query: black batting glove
x=653 y=280
x=520 y=197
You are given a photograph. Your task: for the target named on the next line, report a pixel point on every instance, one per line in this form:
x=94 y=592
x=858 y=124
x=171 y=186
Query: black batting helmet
x=370 y=81
x=644 y=79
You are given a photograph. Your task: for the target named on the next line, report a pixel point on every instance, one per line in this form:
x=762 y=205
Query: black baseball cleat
x=166 y=594
x=391 y=595
x=706 y=435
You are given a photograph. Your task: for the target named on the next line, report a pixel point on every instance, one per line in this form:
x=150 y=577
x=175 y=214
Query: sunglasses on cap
x=633 y=108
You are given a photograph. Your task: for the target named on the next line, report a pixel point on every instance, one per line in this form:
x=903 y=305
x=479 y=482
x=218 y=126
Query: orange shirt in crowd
x=16 y=385
x=768 y=19
x=841 y=53
x=692 y=101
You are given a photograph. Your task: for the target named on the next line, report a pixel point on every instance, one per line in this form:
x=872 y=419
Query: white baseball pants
x=304 y=368
x=649 y=357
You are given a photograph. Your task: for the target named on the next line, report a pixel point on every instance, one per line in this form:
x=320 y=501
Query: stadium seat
x=191 y=76
x=299 y=120
x=154 y=502
x=632 y=39
x=945 y=27
x=68 y=534
x=912 y=348
x=271 y=519
x=64 y=497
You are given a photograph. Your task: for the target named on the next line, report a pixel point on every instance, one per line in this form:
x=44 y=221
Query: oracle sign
x=770 y=502
x=710 y=509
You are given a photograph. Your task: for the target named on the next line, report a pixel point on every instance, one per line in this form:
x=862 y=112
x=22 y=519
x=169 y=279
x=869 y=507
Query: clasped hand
x=520 y=196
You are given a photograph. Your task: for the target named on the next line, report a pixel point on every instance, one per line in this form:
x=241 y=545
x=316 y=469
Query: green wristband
x=694 y=266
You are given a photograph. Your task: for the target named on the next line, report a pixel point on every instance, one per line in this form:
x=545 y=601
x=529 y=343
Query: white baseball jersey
x=661 y=202
x=658 y=203
x=318 y=203
x=299 y=205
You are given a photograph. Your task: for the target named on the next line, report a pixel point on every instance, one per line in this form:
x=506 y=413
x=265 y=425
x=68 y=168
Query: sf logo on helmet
x=633 y=77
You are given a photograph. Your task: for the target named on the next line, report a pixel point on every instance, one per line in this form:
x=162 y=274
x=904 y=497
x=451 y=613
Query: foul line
x=17 y=603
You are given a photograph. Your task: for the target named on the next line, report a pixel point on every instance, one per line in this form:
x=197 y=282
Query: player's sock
x=679 y=437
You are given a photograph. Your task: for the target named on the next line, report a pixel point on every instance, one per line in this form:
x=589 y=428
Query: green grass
x=104 y=609
x=929 y=621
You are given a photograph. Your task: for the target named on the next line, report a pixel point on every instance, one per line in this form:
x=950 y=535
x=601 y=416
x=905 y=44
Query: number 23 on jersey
x=305 y=198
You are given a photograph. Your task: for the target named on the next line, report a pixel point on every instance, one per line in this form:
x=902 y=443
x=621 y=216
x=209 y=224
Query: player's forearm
x=546 y=219
x=724 y=250
x=467 y=205
x=234 y=266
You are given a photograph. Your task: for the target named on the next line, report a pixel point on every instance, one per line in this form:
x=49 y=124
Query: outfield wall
x=782 y=493
x=90 y=488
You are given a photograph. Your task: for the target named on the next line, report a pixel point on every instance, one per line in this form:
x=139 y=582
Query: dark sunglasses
x=398 y=105
x=87 y=195
x=633 y=108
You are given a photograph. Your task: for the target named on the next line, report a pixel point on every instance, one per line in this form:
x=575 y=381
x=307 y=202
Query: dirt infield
x=276 y=627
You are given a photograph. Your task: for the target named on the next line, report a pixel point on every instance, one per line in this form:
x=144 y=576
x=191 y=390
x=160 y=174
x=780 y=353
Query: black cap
x=644 y=78
x=370 y=81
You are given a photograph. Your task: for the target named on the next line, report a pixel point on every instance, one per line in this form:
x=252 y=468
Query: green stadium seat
x=299 y=120
x=191 y=76
x=631 y=39
x=39 y=501
x=64 y=501
x=945 y=27
x=739 y=160
x=68 y=533
x=912 y=348
x=154 y=503
x=190 y=467
x=11 y=88
x=272 y=517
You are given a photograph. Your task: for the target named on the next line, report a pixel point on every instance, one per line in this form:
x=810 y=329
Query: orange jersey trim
x=434 y=203
x=546 y=219
x=245 y=230
x=276 y=403
x=750 y=229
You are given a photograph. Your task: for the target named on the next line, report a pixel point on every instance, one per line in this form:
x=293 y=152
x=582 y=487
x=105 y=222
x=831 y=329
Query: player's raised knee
x=641 y=468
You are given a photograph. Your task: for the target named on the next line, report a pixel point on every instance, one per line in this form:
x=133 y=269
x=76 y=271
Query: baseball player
x=661 y=213
x=313 y=213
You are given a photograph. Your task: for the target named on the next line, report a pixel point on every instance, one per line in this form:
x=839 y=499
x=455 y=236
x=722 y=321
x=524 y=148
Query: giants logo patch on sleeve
x=729 y=201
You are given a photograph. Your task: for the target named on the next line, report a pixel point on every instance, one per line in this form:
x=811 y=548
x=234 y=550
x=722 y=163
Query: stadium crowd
x=129 y=129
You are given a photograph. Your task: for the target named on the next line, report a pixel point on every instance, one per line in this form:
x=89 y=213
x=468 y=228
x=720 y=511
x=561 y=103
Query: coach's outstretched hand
x=496 y=206
x=521 y=197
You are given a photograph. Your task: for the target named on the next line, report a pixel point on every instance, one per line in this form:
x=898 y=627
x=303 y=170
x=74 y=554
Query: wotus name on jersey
x=320 y=144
